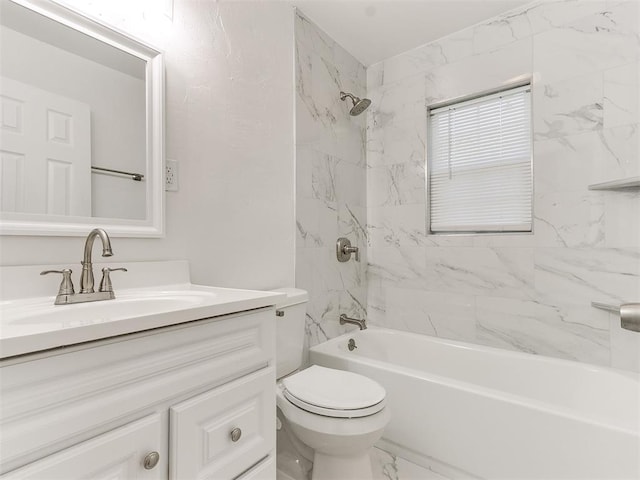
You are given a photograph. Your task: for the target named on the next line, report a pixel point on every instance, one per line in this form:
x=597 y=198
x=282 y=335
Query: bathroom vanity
x=169 y=380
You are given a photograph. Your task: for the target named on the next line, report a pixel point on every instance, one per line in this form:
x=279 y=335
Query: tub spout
x=354 y=321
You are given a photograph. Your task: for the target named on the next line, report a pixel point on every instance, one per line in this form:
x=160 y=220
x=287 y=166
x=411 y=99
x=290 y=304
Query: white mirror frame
x=153 y=225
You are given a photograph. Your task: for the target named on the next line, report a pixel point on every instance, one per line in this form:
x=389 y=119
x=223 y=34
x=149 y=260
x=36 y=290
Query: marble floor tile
x=391 y=467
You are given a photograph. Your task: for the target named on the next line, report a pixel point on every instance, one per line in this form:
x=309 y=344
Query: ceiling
x=372 y=30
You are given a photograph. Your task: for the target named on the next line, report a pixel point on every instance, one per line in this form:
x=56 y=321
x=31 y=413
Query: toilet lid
x=334 y=393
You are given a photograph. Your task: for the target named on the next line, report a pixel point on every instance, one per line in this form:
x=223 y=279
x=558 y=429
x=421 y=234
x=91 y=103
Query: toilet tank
x=290 y=330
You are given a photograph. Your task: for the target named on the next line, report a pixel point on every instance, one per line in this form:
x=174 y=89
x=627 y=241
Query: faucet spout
x=362 y=324
x=86 y=278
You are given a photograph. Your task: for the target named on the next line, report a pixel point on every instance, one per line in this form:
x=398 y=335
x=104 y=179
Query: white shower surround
x=468 y=411
x=528 y=292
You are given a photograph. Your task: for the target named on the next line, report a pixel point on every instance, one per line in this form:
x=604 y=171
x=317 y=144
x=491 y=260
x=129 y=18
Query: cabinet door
x=118 y=454
x=224 y=432
x=265 y=470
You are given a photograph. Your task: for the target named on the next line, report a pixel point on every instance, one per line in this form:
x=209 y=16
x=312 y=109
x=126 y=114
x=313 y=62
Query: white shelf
x=622 y=184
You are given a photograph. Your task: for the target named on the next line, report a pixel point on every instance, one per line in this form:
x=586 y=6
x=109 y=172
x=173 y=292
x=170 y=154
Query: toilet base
x=356 y=467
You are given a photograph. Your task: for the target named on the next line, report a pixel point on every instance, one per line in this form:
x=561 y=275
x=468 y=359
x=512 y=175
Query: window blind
x=480 y=171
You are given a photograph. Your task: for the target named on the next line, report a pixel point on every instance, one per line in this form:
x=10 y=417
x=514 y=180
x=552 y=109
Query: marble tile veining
x=364 y=178
x=387 y=466
x=568 y=107
x=569 y=219
x=330 y=181
x=530 y=292
x=621 y=97
x=481 y=271
x=397 y=184
x=445 y=315
x=537 y=328
x=603 y=38
x=617 y=154
x=397 y=225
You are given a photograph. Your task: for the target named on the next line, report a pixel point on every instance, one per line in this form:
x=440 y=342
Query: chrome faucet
x=86 y=278
x=354 y=321
x=66 y=292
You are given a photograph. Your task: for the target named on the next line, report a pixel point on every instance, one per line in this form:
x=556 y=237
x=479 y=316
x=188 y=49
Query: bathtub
x=465 y=410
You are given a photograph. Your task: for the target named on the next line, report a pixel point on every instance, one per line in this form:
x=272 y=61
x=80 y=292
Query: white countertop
x=33 y=323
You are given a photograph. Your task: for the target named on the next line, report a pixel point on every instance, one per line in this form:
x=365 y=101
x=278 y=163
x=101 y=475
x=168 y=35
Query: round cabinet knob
x=236 y=433
x=151 y=460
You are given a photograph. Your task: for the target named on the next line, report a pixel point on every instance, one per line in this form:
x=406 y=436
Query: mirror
x=81 y=128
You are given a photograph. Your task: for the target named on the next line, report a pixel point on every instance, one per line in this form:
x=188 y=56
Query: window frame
x=479 y=96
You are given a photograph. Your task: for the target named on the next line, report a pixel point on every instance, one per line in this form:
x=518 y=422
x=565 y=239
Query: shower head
x=359 y=105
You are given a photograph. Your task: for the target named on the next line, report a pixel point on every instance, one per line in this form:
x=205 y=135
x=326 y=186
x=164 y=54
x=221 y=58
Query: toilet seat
x=334 y=393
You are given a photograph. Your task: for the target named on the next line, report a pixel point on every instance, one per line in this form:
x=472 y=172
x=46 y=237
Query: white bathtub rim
x=327 y=348
x=502 y=351
x=629 y=374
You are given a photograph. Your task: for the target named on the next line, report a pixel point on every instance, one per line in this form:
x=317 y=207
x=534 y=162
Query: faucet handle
x=66 y=286
x=344 y=250
x=105 y=283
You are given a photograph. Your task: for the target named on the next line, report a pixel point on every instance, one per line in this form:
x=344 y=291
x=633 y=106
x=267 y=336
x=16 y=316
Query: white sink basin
x=34 y=323
x=123 y=306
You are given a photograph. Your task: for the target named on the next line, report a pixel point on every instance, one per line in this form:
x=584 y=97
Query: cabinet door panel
x=118 y=454
x=266 y=470
x=201 y=442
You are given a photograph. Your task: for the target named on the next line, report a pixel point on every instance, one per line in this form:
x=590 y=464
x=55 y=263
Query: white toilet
x=330 y=417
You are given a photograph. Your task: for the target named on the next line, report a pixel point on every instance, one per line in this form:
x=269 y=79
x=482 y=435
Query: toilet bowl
x=340 y=435
x=331 y=417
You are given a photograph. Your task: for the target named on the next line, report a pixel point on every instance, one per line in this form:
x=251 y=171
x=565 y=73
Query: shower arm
x=344 y=95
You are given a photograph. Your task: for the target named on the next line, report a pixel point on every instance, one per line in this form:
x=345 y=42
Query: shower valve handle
x=344 y=250
x=349 y=250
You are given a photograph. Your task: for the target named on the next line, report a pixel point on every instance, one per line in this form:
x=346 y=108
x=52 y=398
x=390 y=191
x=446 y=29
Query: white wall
x=524 y=292
x=229 y=96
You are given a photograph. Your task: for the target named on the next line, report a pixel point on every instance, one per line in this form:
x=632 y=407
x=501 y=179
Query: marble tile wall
x=330 y=181
x=529 y=292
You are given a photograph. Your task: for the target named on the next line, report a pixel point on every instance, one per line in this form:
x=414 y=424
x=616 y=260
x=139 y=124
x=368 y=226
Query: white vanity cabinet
x=188 y=401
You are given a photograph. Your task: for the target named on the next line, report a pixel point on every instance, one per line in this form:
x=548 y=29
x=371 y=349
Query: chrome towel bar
x=629 y=314
x=134 y=176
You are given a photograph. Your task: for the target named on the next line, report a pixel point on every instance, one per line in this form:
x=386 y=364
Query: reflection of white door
x=45 y=152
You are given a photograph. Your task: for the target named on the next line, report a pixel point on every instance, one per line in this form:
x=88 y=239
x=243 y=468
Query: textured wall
x=524 y=292
x=229 y=119
x=330 y=181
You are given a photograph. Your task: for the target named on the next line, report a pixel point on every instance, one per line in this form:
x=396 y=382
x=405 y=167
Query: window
x=480 y=170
